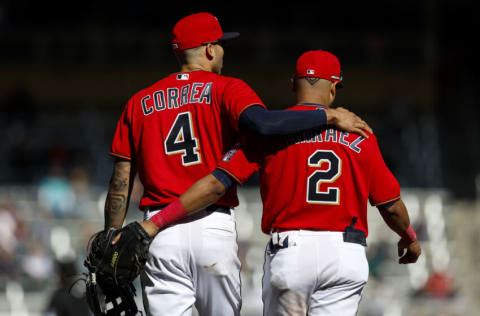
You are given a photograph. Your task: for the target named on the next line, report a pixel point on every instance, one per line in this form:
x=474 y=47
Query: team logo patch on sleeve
x=183 y=76
x=310 y=72
x=228 y=156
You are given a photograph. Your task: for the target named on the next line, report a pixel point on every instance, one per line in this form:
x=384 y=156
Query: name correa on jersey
x=178 y=129
x=173 y=98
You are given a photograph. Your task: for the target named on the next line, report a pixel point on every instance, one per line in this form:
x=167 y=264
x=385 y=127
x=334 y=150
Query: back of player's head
x=319 y=64
x=198 y=29
x=317 y=75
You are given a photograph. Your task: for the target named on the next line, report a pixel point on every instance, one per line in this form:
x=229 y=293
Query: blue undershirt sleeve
x=224 y=178
x=274 y=123
x=386 y=206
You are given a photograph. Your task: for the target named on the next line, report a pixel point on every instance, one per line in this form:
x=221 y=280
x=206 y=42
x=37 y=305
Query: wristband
x=169 y=214
x=409 y=235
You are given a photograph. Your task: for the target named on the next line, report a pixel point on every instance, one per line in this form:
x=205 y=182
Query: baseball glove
x=110 y=300
x=113 y=268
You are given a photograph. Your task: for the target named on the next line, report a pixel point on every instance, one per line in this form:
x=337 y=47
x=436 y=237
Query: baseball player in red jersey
x=315 y=187
x=174 y=132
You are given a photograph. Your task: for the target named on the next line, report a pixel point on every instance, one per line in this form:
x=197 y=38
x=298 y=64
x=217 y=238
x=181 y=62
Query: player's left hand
x=347 y=121
x=119 y=262
x=412 y=253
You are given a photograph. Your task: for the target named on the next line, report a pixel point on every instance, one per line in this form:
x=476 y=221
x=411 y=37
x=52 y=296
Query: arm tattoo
x=121 y=184
x=115 y=202
x=118 y=184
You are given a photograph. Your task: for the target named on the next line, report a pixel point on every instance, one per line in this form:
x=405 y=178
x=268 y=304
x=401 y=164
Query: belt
x=351 y=235
x=354 y=235
x=211 y=209
x=219 y=208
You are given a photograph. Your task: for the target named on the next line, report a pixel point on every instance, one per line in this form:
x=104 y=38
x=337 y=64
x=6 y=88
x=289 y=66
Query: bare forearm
x=396 y=217
x=121 y=184
x=202 y=193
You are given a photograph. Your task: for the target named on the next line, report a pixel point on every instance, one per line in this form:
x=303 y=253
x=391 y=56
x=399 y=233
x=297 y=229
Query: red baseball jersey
x=316 y=180
x=178 y=129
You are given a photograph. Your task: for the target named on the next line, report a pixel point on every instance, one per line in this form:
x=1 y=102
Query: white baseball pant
x=317 y=274
x=191 y=263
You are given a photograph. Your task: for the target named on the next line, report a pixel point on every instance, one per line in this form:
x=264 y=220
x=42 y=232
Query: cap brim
x=229 y=35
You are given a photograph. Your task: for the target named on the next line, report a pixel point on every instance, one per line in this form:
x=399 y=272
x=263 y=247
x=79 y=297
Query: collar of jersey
x=312 y=104
x=187 y=72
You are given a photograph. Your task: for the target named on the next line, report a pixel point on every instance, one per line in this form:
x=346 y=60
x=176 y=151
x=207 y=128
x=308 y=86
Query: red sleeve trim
x=120 y=156
x=231 y=175
x=386 y=202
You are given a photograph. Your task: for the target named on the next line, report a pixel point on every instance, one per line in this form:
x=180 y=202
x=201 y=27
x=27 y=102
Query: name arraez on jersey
x=331 y=135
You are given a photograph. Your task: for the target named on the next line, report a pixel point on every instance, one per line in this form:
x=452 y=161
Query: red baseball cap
x=197 y=29
x=319 y=64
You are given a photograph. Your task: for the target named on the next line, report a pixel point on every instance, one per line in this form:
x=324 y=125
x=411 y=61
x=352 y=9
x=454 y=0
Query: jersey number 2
x=181 y=140
x=332 y=194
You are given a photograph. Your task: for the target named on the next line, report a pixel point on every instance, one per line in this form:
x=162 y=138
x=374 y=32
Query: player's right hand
x=412 y=253
x=347 y=121
x=150 y=228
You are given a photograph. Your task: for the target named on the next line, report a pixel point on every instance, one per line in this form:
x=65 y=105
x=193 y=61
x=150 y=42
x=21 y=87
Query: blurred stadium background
x=67 y=69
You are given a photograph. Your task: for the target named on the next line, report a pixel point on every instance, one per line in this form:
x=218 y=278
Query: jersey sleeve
x=238 y=96
x=122 y=144
x=236 y=164
x=384 y=188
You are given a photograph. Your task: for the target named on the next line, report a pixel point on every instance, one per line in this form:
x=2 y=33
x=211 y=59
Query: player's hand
x=150 y=227
x=412 y=253
x=147 y=225
x=117 y=238
x=347 y=121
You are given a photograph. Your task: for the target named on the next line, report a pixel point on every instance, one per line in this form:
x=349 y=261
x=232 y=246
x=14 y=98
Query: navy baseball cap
x=197 y=29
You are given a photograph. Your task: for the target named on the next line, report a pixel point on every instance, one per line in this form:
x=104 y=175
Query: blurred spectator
x=80 y=185
x=66 y=302
x=378 y=255
x=37 y=264
x=11 y=238
x=439 y=285
x=55 y=192
x=8 y=241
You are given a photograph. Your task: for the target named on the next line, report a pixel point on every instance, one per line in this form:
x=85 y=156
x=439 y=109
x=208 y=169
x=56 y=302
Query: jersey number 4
x=181 y=140
x=334 y=170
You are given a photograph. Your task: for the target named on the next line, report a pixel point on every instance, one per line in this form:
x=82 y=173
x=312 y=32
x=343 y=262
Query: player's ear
x=333 y=91
x=210 y=51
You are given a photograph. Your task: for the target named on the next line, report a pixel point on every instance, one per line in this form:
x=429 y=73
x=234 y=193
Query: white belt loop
x=292 y=241
x=280 y=238
x=275 y=237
